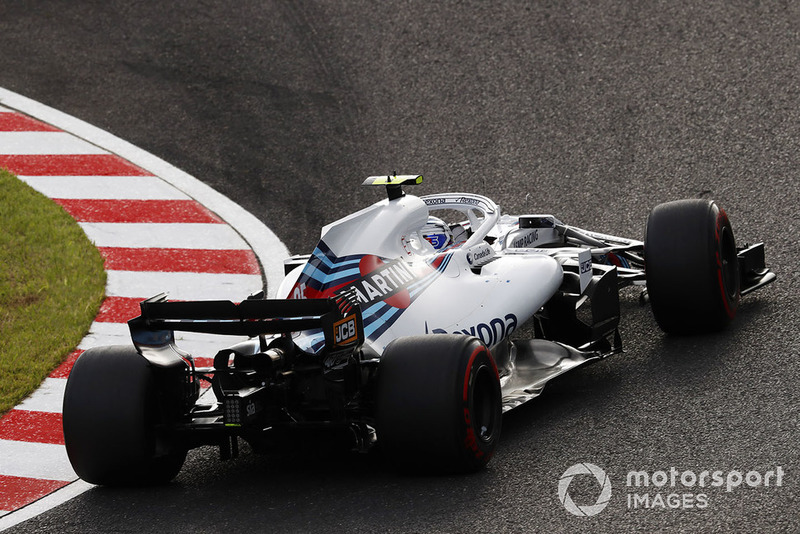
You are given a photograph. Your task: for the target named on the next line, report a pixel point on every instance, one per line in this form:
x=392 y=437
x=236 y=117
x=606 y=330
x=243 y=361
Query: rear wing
x=338 y=317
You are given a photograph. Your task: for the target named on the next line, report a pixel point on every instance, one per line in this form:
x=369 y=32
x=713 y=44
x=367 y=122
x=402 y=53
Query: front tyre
x=438 y=403
x=111 y=412
x=691 y=266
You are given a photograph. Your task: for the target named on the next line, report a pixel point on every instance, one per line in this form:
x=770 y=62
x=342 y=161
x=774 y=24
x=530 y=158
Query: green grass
x=51 y=285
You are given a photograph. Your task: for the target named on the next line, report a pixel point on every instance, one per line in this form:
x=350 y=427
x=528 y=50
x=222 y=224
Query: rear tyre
x=111 y=409
x=691 y=267
x=438 y=403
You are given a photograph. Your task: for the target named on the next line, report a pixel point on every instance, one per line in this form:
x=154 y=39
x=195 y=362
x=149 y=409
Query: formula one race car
x=401 y=330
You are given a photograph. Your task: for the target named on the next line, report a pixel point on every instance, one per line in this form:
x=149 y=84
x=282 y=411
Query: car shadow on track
x=271 y=492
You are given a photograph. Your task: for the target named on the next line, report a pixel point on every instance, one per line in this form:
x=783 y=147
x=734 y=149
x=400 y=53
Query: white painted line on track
x=101 y=334
x=44 y=504
x=164 y=235
x=105 y=187
x=35 y=460
x=48 y=398
x=182 y=286
x=45 y=143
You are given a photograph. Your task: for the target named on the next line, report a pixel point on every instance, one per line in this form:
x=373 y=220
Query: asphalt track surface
x=592 y=111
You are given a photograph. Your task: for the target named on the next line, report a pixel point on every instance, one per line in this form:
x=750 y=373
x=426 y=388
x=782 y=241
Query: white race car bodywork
x=486 y=286
x=471 y=287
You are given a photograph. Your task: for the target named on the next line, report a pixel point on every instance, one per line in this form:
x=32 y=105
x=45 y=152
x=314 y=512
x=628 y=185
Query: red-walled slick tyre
x=691 y=266
x=438 y=403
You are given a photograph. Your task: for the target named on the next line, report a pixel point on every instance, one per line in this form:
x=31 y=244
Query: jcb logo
x=345 y=331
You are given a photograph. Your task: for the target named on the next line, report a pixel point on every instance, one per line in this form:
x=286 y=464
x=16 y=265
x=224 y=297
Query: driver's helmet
x=437 y=233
